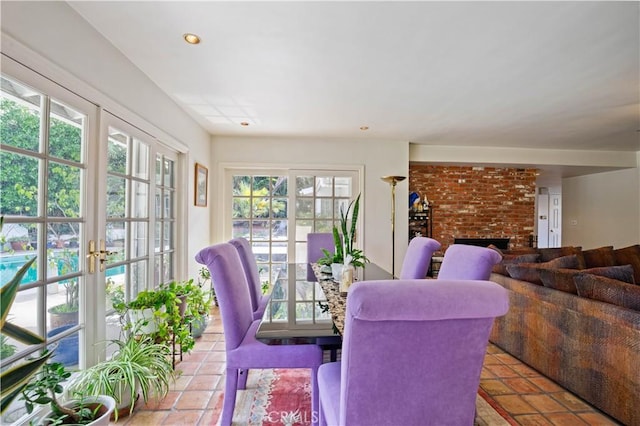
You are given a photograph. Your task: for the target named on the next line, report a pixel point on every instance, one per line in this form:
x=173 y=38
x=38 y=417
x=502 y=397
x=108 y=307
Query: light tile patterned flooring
x=532 y=399
x=528 y=397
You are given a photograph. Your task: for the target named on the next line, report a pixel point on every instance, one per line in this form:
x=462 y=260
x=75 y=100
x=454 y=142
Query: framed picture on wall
x=201 y=186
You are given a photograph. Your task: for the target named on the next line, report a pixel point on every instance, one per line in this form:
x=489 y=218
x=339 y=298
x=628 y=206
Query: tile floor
x=528 y=397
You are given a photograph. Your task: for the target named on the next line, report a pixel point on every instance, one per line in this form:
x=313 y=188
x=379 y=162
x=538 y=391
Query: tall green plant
x=15 y=379
x=345 y=243
x=349 y=229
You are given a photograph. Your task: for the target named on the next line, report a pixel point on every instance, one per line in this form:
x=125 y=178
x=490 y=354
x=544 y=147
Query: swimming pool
x=11 y=264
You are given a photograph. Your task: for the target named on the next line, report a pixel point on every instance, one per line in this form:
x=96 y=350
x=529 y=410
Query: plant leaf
x=354 y=220
x=8 y=399
x=9 y=290
x=15 y=379
x=21 y=334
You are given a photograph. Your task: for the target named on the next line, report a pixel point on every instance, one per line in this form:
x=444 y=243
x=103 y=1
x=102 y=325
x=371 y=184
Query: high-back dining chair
x=430 y=340
x=258 y=300
x=243 y=351
x=465 y=262
x=316 y=241
x=418 y=258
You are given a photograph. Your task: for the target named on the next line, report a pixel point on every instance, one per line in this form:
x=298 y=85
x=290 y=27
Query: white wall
x=602 y=209
x=54 y=40
x=379 y=158
x=520 y=156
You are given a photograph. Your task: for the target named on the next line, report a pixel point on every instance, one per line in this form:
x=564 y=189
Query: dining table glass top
x=302 y=311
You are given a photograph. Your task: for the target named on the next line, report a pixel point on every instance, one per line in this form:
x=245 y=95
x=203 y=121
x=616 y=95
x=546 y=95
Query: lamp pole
x=393 y=180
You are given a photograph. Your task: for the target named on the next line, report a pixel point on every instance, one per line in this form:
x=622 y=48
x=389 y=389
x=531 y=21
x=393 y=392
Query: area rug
x=283 y=397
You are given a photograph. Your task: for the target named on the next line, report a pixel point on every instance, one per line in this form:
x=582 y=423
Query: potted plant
x=139 y=366
x=157 y=313
x=195 y=305
x=65 y=313
x=146 y=314
x=114 y=293
x=204 y=277
x=345 y=242
x=186 y=312
x=43 y=389
x=16 y=378
x=198 y=307
x=19 y=243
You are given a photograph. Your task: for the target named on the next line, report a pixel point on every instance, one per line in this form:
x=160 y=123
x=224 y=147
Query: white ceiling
x=561 y=75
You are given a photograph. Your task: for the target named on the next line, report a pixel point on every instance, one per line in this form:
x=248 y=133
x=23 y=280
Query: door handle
x=101 y=255
x=92 y=255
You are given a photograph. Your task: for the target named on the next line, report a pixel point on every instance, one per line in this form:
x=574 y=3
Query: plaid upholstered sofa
x=591 y=347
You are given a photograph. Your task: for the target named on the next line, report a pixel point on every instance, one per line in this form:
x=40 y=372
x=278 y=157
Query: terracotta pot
x=60 y=319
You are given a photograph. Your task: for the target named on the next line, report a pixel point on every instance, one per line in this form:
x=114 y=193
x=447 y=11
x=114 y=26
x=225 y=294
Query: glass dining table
x=301 y=311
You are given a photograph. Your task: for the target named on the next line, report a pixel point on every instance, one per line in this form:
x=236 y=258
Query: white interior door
x=543 y=217
x=555 y=220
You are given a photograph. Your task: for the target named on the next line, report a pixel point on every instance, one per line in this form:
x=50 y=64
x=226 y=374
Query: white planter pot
x=336 y=271
x=108 y=403
x=144 y=320
x=123 y=408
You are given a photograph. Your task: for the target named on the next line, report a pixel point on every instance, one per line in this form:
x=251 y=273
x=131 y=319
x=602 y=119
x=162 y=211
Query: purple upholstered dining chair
x=430 y=340
x=243 y=351
x=464 y=262
x=258 y=300
x=418 y=258
x=316 y=241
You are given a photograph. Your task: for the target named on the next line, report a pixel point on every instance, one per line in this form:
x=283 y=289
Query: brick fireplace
x=478 y=202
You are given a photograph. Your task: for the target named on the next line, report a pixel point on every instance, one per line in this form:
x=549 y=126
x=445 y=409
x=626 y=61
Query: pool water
x=10 y=265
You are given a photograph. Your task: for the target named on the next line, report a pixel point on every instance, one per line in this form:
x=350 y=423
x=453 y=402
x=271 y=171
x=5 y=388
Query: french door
x=94 y=200
x=276 y=209
x=138 y=251
x=46 y=194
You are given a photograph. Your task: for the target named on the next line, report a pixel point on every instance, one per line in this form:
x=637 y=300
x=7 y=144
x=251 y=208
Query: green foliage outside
x=251 y=197
x=20 y=174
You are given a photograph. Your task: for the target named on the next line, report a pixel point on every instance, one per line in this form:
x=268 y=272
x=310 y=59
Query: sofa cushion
x=608 y=290
x=562 y=279
x=531 y=271
x=629 y=256
x=547 y=254
x=510 y=259
x=521 y=250
x=602 y=256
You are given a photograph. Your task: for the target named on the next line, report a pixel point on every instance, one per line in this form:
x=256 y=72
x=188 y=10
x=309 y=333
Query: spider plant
x=139 y=366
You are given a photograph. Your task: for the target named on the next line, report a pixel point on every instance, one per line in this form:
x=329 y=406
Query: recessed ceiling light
x=363 y=128
x=244 y=124
x=191 y=38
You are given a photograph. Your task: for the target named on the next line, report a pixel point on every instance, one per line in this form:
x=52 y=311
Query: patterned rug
x=283 y=397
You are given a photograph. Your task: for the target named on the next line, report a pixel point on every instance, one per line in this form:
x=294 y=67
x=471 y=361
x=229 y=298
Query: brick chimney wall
x=477 y=202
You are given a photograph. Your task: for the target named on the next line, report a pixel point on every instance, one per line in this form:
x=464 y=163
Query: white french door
x=48 y=199
x=139 y=219
x=275 y=209
x=94 y=199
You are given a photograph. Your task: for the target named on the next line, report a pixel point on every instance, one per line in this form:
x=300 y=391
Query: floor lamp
x=393 y=180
